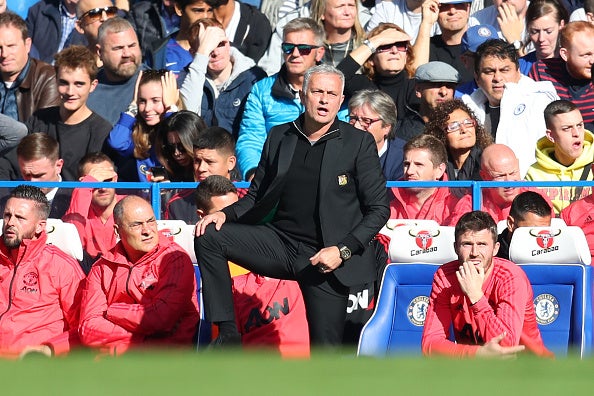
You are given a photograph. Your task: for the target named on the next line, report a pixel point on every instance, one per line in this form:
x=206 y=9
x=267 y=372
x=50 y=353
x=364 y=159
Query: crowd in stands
x=191 y=91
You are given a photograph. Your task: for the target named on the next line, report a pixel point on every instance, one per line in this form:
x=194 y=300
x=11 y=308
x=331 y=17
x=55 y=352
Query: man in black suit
x=316 y=202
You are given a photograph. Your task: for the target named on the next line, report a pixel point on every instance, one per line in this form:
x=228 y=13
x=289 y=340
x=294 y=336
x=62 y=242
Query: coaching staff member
x=317 y=200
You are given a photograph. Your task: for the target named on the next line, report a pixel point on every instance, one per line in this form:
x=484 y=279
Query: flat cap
x=437 y=72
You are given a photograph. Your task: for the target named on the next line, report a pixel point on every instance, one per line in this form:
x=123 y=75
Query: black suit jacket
x=353 y=202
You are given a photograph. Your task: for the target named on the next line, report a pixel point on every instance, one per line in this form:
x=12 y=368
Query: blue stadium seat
x=204 y=328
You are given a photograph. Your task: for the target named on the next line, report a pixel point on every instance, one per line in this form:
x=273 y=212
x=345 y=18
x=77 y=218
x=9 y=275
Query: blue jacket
x=270 y=103
x=391 y=160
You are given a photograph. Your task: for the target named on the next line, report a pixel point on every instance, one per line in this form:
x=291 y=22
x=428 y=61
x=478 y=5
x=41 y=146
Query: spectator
x=274 y=100
x=118 y=49
x=143 y=292
x=509 y=18
x=219 y=78
x=342 y=21
x=374 y=111
x=435 y=83
x=425 y=159
x=214 y=154
x=153 y=20
x=564 y=154
x=498 y=163
x=324 y=242
x=508 y=104
x=464 y=137
x=11 y=133
x=487 y=300
x=452 y=18
x=579 y=214
x=571 y=74
x=29 y=84
x=386 y=57
x=133 y=137
x=248 y=29
x=91 y=209
x=51 y=27
x=72 y=123
x=528 y=209
x=174 y=144
x=407 y=14
x=90 y=15
x=41 y=314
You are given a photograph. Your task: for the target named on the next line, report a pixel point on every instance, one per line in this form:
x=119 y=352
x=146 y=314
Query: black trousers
x=266 y=251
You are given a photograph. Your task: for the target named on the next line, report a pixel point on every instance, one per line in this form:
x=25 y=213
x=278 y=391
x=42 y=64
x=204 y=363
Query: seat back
x=563 y=305
x=397 y=323
x=181 y=233
x=561 y=245
x=422 y=244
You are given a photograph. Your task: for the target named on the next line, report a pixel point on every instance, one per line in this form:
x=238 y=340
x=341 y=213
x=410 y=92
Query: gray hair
x=300 y=24
x=113 y=25
x=378 y=101
x=322 y=69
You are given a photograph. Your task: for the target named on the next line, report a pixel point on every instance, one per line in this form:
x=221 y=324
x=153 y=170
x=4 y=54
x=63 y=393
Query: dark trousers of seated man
x=267 y=251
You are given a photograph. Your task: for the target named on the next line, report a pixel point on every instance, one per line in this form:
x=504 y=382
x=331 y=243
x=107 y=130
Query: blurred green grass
x=249 y=373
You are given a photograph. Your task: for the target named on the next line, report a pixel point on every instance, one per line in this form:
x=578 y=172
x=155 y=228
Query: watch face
x=345 y=253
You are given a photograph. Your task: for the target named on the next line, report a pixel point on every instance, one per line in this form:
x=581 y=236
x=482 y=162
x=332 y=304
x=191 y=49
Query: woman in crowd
x=133 y=137
x=386 y=57
x=374 y=111
x=174 y=144
x=464 y=137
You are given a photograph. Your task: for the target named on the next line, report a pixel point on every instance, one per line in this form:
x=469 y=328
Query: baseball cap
x=476 y=35
x=437 y=71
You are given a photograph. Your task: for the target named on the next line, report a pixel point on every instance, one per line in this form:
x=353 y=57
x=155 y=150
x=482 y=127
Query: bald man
x=498 y=163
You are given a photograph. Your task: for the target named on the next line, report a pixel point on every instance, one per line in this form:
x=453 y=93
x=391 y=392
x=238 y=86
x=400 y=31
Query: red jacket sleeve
x=463 y=206
x=78 y=211
x=174 y=291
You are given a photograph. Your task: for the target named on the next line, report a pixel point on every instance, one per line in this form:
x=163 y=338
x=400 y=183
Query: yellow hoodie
x=547 y=169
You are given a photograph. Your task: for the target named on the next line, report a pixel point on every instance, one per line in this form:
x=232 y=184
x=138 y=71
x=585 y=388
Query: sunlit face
x=465 y=137
x=432 y=94
x=418 y=166
x=74 y=87
x=177 y=150
x=544 y=33
x=41 y=170
x=296 y=63
x=520 y=5
x=477 y=248
x=567 y=133
x=150 y=102
x=453 y=17
x=220 y=58
x=14 y=52
x=209 y=162
x=102 y=197
x=90 y=26
x=370 y=121
x=323 y=98
x=340 y=14
x=120 y=53
x=194 y=11
x=579 y=55
x=137 y=229
x=502 y=168
x=493 y=73
x=389 y=62
x=21 y=221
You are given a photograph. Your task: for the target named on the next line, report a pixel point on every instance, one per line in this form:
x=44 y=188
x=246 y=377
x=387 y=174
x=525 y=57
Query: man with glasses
x=90 y=15
x=51 y=27
x=143 y=291
x=507 y=103
x=275 y=100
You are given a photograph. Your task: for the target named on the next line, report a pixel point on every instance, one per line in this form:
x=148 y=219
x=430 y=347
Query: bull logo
x=545 y=238
x=424 y=239
x=50 y=229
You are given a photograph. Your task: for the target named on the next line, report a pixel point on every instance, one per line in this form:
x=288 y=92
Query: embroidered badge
x=546 y=308
x=342 y=180
x=417 y=310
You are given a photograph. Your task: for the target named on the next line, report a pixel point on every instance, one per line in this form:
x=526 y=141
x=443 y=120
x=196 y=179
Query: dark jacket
x=353 y=201
x=149 y=26
x=411 y=125
x=253 y=32
x=38 y=90
x=45 y=29
x=391 y=160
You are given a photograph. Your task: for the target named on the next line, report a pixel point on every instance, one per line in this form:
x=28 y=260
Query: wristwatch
x=345 y=252
x=369 y=45
x=517 y=44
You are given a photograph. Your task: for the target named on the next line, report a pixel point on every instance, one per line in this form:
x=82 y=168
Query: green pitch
x=261 y=374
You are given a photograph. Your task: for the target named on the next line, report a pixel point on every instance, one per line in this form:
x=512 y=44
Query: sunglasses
x=96 y=14
x=455 y=126
x=401 y=46
x=304 y=49
x=173 y=147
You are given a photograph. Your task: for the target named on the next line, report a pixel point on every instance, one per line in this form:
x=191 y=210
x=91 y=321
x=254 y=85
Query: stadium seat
x=181 y=233
x=204 y=328
x=422 y=244
x=563 y=245
x=396 y=326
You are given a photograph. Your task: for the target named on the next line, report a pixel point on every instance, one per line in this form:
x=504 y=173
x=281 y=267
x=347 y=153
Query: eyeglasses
x=96 y=14
x=401 y=46
x=304 y=49
x=173 y=147
x=455 y=126
x=365 y=122
x=137 y=225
